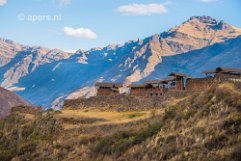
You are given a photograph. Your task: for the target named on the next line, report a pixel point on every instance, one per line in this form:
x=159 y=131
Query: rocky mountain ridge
x=46 y=77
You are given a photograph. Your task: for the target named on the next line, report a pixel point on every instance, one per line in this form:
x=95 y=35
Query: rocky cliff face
x=9 y=100
x=18 y=61
x=43 y=75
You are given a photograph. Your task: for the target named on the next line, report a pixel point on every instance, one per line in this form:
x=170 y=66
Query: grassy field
x=203 y=126
x=95 y=117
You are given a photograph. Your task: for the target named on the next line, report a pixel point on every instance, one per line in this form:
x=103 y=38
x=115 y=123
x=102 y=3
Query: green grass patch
x=170 y=112
x=121 y=141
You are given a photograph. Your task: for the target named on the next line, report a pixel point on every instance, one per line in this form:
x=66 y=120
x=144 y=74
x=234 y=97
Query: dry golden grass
x=105 y=118
x=227 y=86
x=27 y=116
x=203 y=126
x=175 y=101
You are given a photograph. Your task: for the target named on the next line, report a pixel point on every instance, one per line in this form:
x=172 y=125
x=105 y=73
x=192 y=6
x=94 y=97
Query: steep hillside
x=202 y=126
x=9 y=50
x=18 y=61
x=226 y=54
x=9 y=100
x=46 y=77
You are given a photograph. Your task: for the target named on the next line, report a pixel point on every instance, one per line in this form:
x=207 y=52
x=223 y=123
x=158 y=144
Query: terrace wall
x=105 y=91
x=151 y=92
x=200 y=84
x=138 y=91
x=146 y=92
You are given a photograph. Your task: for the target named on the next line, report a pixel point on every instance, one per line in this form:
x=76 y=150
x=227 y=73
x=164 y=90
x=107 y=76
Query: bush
x=115 y=143
x=235 y=154
x=190 y=113
x=170 y=112
x=151 y=130
x=27 y=147
x=170 y=149
x=6 y=155
x=232 y=125
x=216 y=142
x=136 y=114
x=239 y=105
x=123 y=140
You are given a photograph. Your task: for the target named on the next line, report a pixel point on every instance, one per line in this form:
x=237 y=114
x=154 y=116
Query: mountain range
x=46 y=77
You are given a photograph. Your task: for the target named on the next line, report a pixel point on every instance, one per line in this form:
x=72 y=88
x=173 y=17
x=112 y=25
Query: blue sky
x=83 y=24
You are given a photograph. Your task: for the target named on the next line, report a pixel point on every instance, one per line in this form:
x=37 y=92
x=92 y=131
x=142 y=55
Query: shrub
x=27 y=147
x=170 y=149
x=153 y=113
x=6 y=155
x=136 y=114
x=190 y=113
x=123 y=140
x=151 y=130
x=232 y=124
x=239 y=105
x=117 y=142
x=216 y=142
x=235 y=154
x=170 y=112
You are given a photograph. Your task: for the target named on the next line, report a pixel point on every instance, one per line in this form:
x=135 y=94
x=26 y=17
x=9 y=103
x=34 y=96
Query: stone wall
x=120 y=102
x=152 y=92
x=106 y=91
x=200 y=84
x=146 y=92
x=138 y=92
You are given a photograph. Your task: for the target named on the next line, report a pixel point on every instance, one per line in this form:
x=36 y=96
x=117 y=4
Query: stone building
x=167 y=83
x=104 y=89
x=223 y=72
x=218 y=75
x=179 y=81
x=137 y=89
x=151 y=88
x=175 y=83
x=199 y=84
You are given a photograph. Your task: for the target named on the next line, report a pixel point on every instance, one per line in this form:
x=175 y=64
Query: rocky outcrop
x=18 y=61
x=9 y=100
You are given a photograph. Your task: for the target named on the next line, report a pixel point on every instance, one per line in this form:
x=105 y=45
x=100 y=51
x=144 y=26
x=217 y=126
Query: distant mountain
x=227 y=54
x=46 y=77
x=9 y=100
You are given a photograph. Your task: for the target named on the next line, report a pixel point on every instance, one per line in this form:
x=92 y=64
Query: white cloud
x=84 y=33
x=142 y=9
x=3 y=2
x=61 y=3
x=209 y=1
